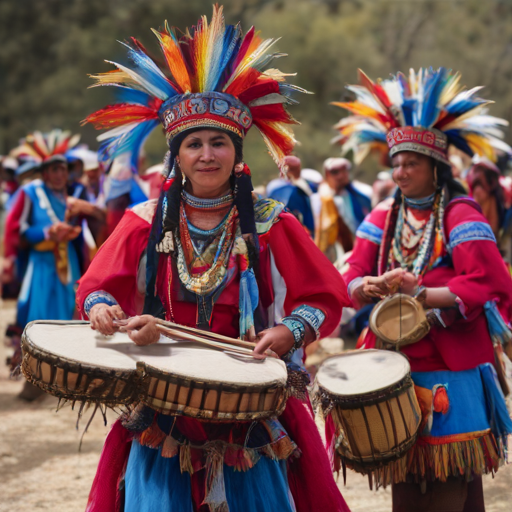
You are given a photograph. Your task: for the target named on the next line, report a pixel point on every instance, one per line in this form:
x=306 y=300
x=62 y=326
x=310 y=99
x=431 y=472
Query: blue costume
x=46 y=292
x=296 y=200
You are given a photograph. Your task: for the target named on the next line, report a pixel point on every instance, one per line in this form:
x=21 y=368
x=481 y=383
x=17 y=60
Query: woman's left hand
x=278 y=339
x=142 y=330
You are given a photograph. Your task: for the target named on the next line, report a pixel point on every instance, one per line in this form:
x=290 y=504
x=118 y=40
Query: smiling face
x=414 y=174
x=207 y=158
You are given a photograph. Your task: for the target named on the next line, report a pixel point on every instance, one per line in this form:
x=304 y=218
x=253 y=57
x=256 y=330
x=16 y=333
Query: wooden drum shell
x=209 y=400
x=71 y=380
x=378 y=431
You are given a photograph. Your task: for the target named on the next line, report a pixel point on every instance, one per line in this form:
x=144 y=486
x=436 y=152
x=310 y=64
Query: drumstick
x=207 y=334
x=190 y=337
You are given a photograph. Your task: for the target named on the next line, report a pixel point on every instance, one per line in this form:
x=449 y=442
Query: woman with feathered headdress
x=208 y=255
x=433 y=242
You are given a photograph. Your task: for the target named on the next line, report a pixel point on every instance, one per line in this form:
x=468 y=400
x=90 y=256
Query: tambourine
x=399 y=320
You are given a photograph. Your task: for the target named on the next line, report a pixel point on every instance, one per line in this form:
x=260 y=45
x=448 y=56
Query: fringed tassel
x=241 y=459
x=439 y=461
x=186 y=459
x=170 y=447
x=215 y=488
x=152 y=437
x=500 y=332
x=249 y=293
x=281 y=449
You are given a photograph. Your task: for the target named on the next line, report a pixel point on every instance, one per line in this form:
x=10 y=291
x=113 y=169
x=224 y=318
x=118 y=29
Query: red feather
x=119 y=115
x=243 y=82
x=285 y=144
x=375 y=89
x=275 y=113
x=246 y=43
x=261 y=88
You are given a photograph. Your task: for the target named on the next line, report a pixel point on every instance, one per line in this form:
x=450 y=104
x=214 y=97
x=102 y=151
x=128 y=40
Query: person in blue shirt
x=294 y=192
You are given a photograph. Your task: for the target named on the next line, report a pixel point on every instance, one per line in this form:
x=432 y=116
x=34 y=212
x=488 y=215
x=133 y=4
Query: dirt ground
x=42 y=469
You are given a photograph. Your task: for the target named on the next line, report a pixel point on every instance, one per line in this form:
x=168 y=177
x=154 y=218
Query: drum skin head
x=362 y=371
x=79 y=342
x=399 y=320
x=73 y=362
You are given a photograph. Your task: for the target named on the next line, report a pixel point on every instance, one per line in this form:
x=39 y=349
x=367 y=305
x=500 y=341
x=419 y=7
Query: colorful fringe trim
x=194 y=457
x=433 y=461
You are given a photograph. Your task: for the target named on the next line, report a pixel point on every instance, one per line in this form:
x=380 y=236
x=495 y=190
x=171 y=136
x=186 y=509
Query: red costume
x=308 y=279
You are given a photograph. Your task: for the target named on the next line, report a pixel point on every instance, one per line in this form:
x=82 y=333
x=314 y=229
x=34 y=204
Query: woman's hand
x=102 y=318
x=388 y=283
x=63 y=232
x=142 y=330
x=278 y=339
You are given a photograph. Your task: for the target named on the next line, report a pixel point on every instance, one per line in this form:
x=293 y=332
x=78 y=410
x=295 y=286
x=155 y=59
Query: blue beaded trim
x=312 y=316
x=99 y=297
x=370 y=232
x=298 y=330
x=470 y=232
x=421 y=204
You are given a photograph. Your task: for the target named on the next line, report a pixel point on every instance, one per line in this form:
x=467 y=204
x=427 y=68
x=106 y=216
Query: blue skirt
x=42 y=295
x=155 y=483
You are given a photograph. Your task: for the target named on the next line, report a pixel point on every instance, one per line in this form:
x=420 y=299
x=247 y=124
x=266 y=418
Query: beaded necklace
x=216 y=255
x=207 y=203
x=420 y=252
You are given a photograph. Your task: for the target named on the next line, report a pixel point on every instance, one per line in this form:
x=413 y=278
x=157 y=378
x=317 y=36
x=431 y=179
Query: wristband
x=99 y=297
x=297 y=329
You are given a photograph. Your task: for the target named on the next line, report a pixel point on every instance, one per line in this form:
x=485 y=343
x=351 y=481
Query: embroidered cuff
x=312 y=316
x=99 y=297
x=297 y=328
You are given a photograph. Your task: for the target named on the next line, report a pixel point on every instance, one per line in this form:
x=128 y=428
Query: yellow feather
x=481 y=146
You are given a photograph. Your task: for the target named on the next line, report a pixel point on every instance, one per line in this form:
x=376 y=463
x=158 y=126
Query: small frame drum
x=73 y=362
x=370 y=397
x=399 y=320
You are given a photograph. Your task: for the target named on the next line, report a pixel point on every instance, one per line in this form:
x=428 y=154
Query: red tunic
x=477 y=275
x=308 y=278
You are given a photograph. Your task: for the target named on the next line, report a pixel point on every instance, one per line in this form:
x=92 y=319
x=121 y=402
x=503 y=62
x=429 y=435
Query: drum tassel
x=215 y=489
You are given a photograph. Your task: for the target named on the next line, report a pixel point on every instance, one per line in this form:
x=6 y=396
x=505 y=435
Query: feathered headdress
x=213 y=77
x=425 y=112
x=45 y=147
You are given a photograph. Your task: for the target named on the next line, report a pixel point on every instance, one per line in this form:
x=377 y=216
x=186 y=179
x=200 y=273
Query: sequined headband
x=431 y=142
x=205 y=110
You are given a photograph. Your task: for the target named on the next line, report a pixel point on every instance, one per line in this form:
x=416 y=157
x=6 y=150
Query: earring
x=183 y=179
x=239 y=168
x=435 y=176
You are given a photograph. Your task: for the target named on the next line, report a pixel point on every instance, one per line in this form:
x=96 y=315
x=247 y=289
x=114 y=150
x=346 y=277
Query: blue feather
x=131 y=142
x=128 y=95
x=409 y=108
x=461 y=107
x=433 y=87
x=232 y=42
x=147 y=69
x=457 y=139
x=365 y=136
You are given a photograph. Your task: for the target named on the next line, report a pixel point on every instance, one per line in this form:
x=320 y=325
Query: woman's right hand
x=388 y=283
x=102 y=318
